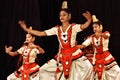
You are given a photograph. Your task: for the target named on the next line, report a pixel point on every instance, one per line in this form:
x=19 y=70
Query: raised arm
x=41 y=50
x=88 y=16
x=84 y=44
x=34 y=32
x=106 y=35
x=81 y=46
x=8 y=50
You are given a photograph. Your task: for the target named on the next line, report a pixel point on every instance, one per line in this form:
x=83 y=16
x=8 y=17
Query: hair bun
x=64 y=5
x=94 y=18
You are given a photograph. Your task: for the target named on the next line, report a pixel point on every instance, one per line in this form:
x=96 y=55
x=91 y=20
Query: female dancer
x=105 y=66
x=73 y=65
x=29 y=68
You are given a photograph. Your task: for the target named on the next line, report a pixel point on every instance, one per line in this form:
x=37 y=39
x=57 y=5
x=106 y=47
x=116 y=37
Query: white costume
x=106 y=67
x=29 y=69
x=73 y=65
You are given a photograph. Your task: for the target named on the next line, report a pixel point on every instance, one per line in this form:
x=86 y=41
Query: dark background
x=44 y=14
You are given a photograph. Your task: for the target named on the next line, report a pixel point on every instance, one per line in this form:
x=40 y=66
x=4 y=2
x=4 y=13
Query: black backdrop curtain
x=44 y=14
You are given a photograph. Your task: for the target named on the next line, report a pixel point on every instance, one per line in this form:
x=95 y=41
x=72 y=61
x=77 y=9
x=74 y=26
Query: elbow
x=12 y=55
x=43 y=52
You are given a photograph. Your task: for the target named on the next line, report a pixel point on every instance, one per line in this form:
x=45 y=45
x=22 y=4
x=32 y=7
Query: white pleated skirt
x=81 y=69
x=110 y=74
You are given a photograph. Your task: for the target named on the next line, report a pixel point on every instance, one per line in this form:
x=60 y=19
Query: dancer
x=105 y=66
x=28 y=52
x=70 y=60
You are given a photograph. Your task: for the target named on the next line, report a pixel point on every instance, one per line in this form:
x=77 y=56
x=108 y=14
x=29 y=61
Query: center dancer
x=73 y=65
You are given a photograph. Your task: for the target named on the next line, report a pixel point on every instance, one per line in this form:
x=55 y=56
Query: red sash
x=100 y=58
x=27 y=70
x=99 y=48
x=67 y=59
x=67 y=51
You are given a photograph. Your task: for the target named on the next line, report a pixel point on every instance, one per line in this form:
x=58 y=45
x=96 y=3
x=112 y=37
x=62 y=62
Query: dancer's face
x=96 y=28
x=64 y=16
x=29 y=38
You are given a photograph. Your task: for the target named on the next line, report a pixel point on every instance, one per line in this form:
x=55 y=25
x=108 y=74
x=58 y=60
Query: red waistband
x=28 y=66
x=69 y=50
x=102 y=55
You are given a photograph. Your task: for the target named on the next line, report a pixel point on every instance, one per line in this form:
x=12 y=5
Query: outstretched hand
x=22 y=25
x=87 y=15
x=8 y=49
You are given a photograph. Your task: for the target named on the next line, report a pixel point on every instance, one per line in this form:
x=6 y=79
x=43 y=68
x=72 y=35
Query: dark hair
x=30 y=34
x=97 y=22
x=66 y=10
